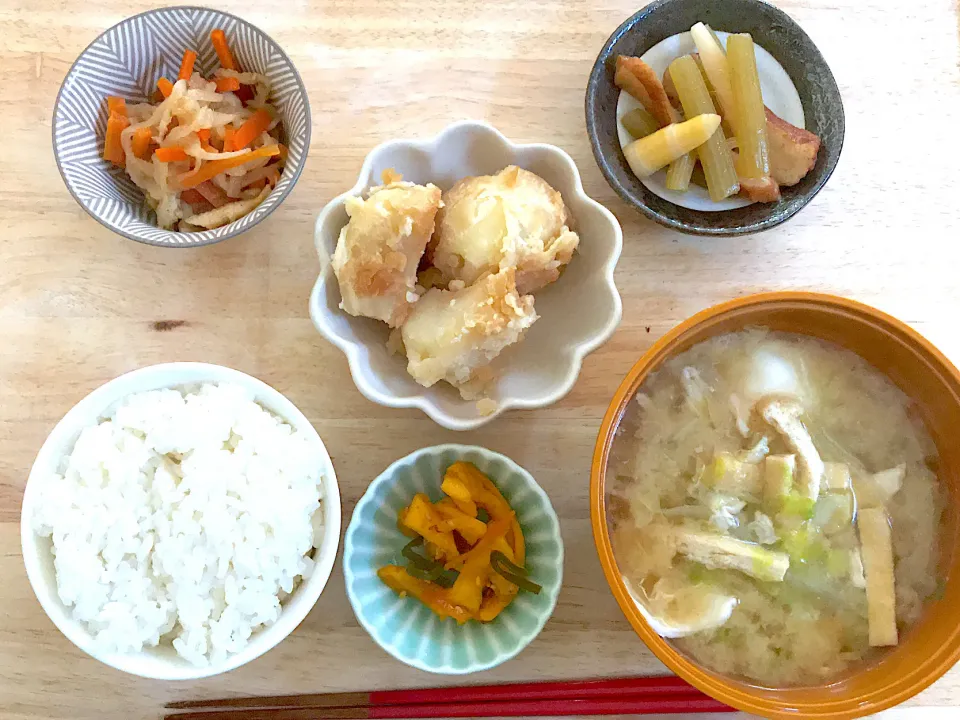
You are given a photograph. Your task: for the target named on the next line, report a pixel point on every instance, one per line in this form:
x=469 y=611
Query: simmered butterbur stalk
x=638 y=79
x=714 y=154
x=639 y=123
x=715 y=66
x=649 y=154
x=680 y=172
x=749 y=120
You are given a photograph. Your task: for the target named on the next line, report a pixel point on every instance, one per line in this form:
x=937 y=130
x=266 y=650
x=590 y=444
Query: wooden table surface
x=79 y=305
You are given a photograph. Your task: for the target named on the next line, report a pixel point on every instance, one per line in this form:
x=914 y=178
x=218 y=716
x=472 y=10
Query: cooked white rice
x=186 y=517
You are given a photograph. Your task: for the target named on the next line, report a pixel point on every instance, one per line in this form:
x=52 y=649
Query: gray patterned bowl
x=773 y=30
x=127 y=60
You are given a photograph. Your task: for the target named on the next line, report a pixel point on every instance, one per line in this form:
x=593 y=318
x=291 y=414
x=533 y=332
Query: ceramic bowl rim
x=295 y=609
x=421 y=400
x=388 y=476
x=664 y=348
x=600 y=153
x=234 y=231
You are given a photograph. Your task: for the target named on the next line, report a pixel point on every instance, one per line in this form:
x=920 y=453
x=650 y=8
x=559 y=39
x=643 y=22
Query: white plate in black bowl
x=790 y=50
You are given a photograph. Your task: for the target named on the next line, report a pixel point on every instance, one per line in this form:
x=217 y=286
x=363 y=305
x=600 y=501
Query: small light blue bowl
x=404 y=627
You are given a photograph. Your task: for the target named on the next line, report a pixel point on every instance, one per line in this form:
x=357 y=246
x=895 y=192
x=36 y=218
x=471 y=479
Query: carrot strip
x=165 y=87
x=112 y=147
x=211 y=169
x=186 y=67
x=141 y=142
x=228 y=133
x=117 y=105
x=204 y=136
x=170 y=154
x=227 y=84
x=252 y=129
x=219 y=40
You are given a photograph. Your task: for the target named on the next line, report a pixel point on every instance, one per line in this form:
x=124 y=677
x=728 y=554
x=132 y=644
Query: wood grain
x=79 y=305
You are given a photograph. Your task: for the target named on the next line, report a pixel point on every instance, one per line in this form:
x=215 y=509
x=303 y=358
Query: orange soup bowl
x=931 y=646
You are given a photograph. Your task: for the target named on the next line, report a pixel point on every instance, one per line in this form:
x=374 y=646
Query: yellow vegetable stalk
x=647 y=155
x=716 y=68
x=714 y=154
x=749 y=121
x=639 y=123
x=680 y=172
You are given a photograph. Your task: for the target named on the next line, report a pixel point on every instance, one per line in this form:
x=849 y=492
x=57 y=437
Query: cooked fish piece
x=380 y=248
x=513 y=219
x=720 y=551
x=784 y=416
x=454 y=335
x=793 y=150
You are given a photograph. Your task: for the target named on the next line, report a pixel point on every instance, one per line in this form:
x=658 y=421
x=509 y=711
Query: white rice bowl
x=181 y=526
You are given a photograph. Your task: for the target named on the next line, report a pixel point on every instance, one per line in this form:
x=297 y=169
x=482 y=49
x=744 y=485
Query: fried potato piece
x=380 y=248
x=793 y=150
x=640 y=80
x=513 y=219
x=453 y=336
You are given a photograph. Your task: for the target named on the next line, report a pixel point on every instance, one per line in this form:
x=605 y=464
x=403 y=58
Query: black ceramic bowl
x=777 y=34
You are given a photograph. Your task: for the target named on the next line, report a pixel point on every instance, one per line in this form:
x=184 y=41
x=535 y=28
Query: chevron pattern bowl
x=404 y=627
x=127 y=60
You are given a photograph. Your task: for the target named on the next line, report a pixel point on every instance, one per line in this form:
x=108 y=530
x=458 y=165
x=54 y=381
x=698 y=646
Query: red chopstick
x=629 y=705
x=560 y=690
x=642 y=695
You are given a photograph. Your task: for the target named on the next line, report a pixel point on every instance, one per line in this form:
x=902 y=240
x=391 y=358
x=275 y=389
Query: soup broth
x=776 y=507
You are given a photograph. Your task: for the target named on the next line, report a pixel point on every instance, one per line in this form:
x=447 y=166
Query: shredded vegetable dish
x=467 y=553
x=205 y=152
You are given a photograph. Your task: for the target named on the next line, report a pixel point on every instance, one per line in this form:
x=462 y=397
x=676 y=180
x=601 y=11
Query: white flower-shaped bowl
x=577 y=313
x=162 y=662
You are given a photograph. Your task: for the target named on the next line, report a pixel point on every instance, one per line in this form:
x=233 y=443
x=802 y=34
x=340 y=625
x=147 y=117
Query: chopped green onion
x=416 y=559
x=512 y=573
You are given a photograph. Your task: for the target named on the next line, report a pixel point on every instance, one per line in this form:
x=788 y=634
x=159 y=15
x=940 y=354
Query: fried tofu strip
x=720 y=551
x=784 y=416
x=877 y=552
x=638 y=79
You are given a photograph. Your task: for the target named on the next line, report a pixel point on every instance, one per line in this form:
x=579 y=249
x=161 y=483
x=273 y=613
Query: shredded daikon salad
x=205 y=152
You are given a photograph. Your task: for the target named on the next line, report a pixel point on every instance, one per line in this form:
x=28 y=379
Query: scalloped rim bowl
x=162 y=663
x=536 y=372
x=404 y=627
x=929 y=648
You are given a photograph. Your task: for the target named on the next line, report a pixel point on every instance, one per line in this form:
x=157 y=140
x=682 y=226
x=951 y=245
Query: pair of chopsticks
x=621 y=696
